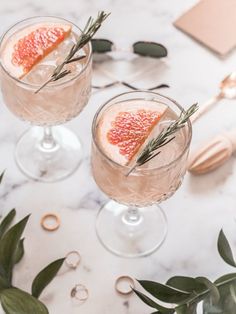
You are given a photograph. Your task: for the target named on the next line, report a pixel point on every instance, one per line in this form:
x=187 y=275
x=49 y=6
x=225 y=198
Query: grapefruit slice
x=27 y=47
x=124 y=128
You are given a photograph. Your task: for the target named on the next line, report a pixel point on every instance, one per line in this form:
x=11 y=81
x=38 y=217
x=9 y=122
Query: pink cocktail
x=132 y=224
x=43 y=152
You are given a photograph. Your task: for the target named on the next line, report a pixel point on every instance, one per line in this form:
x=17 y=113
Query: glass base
x=131 y=232
x=47 y=161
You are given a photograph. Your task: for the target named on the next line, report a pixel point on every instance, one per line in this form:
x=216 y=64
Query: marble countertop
x=196 y=213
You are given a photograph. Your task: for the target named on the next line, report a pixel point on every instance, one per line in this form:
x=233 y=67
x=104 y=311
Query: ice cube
x=39 y=74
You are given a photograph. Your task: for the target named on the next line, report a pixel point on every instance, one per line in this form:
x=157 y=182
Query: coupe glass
x=45 y=153
x=132 y=224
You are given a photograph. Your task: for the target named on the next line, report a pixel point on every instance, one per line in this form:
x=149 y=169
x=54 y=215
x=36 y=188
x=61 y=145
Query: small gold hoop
x=80 y=292
x=74 y=255
x=124 y=280
x=50 y=216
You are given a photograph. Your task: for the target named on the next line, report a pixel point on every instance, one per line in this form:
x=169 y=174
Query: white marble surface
x=196 y=212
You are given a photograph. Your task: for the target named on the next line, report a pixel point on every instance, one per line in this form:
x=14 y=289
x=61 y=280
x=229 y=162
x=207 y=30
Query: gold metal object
x=227 y=90
x=73 y=259
x=50 y=216
x=128 y=282
x=80 y=292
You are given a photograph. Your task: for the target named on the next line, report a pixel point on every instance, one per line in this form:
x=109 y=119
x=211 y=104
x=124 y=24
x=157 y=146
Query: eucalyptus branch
x=186 y=292
x=196 y=297
x=165 y=137
x=91 y=27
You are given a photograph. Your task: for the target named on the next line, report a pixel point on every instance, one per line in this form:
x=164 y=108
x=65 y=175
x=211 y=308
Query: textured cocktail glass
x=45 y=153
x=132 y=224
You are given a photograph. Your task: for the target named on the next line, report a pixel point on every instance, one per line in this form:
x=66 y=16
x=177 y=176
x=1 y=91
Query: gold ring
x=124 y=285
x=73 y=259
x=50 y=216
x=80 y=292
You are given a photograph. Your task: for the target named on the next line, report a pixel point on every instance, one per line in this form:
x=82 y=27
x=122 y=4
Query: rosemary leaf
x=75 y=59
x=60 y=75
x=165 y=137
x=91 y=27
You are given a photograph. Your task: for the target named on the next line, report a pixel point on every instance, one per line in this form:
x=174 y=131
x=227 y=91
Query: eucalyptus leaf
x=233 y=292
x=8 y=247
x=214 y=292
x=187 y=309
x=226 y=304
x=4 y=283
x=163 y=292
x=45 y=277
x=224 y=249
x=16 y=301
x=153 y=304
x=181 y=309
x=187 y=284
x=1 y=176
x=5 y=223
x=226 y=278
x=209 y=308
x=19 y=252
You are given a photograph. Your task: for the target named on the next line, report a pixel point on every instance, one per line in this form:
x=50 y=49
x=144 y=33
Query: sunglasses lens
x=101 y=45
x=153 y=50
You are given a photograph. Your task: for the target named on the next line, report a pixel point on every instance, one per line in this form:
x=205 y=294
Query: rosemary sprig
x=165 y=137
x=91 y=27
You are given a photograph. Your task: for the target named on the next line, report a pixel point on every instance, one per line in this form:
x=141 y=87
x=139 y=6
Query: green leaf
x=226 y=278
x=214 y=292
x=1 y=176
x=187 y=284
x=226 y=304
x=209 y=308
x=8 y=247
x=224 y=249
x=6 y=222
x=232 y=289
x=181 y=309
x=153 y=304
x=163 y=292
x=16 y=301
x=45 y=277
x=4 y=283
x=187 y=309
x=19 y=252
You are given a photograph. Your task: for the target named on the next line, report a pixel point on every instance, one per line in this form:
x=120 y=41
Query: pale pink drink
x=132 y=224
x=44 y=153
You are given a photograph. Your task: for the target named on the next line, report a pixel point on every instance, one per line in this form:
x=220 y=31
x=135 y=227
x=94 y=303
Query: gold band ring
x=73 y=259
x=50 y=227
x=80 y=292
x=124 y=285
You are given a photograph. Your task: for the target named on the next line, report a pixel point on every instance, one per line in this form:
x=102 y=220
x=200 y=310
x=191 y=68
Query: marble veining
x=196 y=213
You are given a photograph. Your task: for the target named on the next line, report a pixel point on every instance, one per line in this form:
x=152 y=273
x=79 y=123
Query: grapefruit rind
x=106 y=123
x=9 y=49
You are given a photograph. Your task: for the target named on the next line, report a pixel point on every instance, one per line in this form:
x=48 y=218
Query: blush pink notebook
x=213 y=23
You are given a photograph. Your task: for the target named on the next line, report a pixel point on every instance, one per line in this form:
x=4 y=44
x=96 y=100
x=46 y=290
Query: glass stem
x=48 y=142
x=132 y=216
